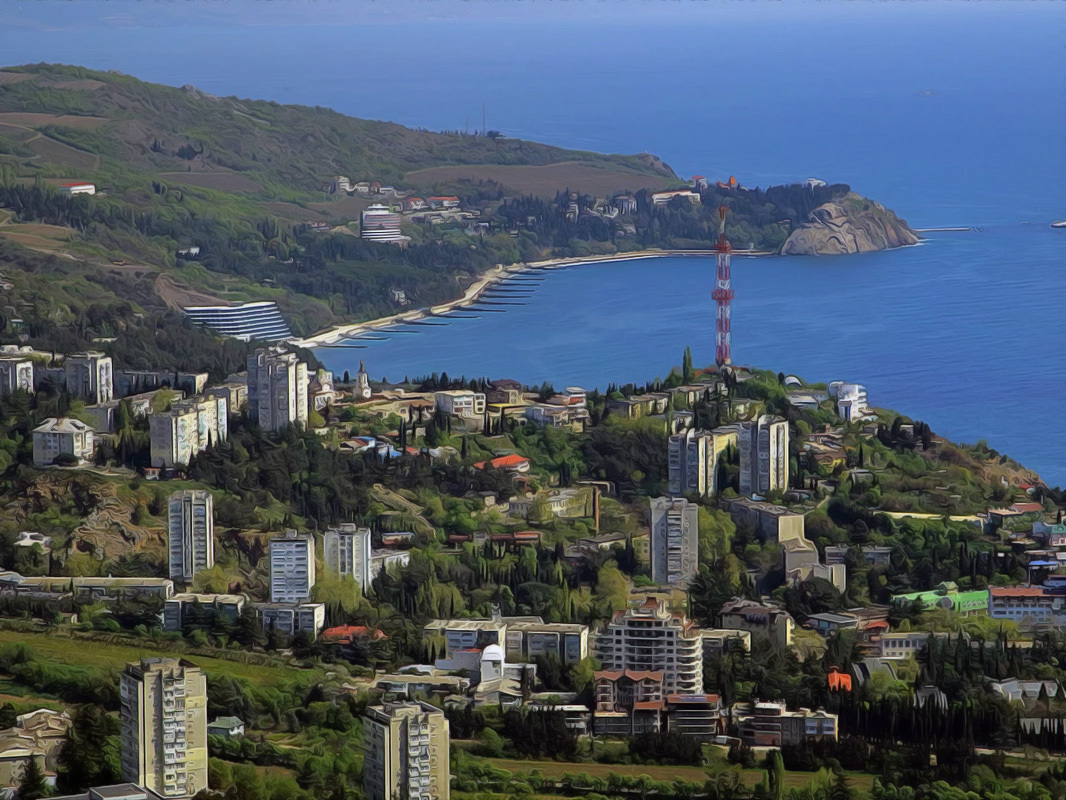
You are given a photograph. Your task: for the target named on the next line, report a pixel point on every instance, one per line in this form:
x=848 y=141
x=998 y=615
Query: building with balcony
x=89 y=376
x=190 y=533
x=406 y=752
x=763 y=447
x=462 y=404
x=628 y=702
x=292 y=567
x=675 y=541
x=347 y=552
x=693 y=459
x=16 y=374
x=758 y=619
x=277 y=389
x=163 y=714
x=379 y=223
x=189 y=607
x=62 y=436
x=649 y=637
x=260 y=320
x=773 y=725
x=292 y=618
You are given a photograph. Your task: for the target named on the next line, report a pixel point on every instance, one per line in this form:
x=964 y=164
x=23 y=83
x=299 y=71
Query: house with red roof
x=511 y=463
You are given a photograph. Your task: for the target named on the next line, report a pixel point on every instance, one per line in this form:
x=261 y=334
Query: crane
x=723 y=295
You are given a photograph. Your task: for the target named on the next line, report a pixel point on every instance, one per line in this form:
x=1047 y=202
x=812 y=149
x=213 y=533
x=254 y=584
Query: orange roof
x=632 y=674
x=838 y=681
x=527 y=535
x=1016 y=591
x=1026 y=508
x=346 y=633
x=648 y=705
x=503 y=462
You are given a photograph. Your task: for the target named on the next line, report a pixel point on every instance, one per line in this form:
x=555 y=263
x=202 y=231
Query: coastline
x=493 y=277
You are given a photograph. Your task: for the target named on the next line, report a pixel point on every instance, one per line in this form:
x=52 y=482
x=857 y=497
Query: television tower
x=723 y=295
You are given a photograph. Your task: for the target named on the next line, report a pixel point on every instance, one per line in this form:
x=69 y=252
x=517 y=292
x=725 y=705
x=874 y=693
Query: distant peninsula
x=137 y=200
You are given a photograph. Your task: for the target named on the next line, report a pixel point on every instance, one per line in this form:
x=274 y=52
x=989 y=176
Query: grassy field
x=221 y=181
x=84 y=651
x=556 y=769
x=545 y=180
x=29 y=119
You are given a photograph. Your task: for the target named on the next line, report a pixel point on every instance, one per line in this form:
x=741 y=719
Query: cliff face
x=853 y=224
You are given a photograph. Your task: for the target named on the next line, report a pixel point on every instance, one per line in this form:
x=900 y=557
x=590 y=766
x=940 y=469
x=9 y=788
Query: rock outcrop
x=853 y=224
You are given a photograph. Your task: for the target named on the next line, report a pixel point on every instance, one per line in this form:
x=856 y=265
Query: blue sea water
x=949 y=113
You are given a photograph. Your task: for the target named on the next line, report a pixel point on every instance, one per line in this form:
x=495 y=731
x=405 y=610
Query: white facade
x=1028 y=606
x=78 y=188
x=292 y=618
x=191 y=534
x=468 y=405
x=16 y=374
x=260 y=320
x=346 y=549
x=58 y=436
x=674 y=540
x=380 y=223
x=89 y=376
x=650 y=638
x=406 y=753
x=292 y=567
x=277 y=389
x=188 y=428
x=693 y=460
x=852 y=402
x=361 y=390
x=763 y=455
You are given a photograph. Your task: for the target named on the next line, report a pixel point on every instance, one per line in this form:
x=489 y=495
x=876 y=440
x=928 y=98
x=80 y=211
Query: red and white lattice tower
x=722 y=294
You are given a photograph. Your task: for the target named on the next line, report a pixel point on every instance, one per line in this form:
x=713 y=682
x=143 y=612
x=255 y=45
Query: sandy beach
x=493 y=277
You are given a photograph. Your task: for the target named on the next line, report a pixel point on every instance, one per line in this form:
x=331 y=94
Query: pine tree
x=32 y=786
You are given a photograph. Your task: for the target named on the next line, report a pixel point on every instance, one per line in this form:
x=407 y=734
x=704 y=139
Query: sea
x=951 y=114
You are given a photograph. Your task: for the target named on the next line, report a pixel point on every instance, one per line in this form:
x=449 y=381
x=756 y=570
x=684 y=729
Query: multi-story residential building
x=292 y=618
x=905 y=643
x=346 y=549
x=852 y=403
x=1029 y=606
x=719 y=641
x=235 y=393
x=773 y=725
x=758 y=619
x=212 y=420
x=649 y=637
x=62 y=436
x=120 y=791
x=175 y=436
x=763 y=455
x=406 y=752
x=191 y=533
x=379 y=223
x=697 y=716
x=675 y=540
x=693 y=459
x=292 y=567
x=277 y=389
x=163 y=712
x=524 y=638
x=16 y=374
x=628 y=702
x=260 y=320
x=463 y=404
x=771 y=522
x=89 y=376
x=186 y=605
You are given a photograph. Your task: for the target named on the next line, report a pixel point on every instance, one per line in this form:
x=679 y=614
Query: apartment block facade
x=674 y=540
x=649 y=637
x=191 y=534
x=277 y=389
x=693 y=459
x=406 y=753
x=763 y=455
x=347 y=551
x=292 y=567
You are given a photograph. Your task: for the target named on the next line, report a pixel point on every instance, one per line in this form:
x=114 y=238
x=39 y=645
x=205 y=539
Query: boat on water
x=1059 y=223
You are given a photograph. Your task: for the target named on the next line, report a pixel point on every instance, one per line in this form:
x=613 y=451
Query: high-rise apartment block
x=277 y=389
x=292 y=567
x=89 y=376
x=15 y=374
x=406 y=752
x=649 y=637
x=675 y=540
x=191 y=533
x=693 y=460
x=763 y=455
x=347 y=552
x=163 y=715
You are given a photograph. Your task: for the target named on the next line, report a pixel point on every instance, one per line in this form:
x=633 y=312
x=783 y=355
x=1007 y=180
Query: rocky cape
x=853 y=224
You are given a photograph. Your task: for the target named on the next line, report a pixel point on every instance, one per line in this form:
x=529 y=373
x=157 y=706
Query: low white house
x=58 y=436
x=78 y=188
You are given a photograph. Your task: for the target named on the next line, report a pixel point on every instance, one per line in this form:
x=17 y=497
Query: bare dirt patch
x=291 y=211
x=343 y=207
x=8 y=78
x=29 y=119
x=51 y=150
x=545 y=180
x=177 y=296
x=15 y=132
x=84 y=85
x=222 y=181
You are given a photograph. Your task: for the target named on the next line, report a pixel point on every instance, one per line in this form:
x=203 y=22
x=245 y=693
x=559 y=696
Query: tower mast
x=723 y=295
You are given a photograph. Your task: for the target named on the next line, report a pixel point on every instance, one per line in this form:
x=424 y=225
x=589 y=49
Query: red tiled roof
x=513 y=460
x=1016 y=591
x=527 y=535
x=632 y=674
x=346 y=633
x=648 y=705
x=1027 y=508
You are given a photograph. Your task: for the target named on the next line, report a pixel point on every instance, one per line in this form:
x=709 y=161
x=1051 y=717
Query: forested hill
x=133 y=125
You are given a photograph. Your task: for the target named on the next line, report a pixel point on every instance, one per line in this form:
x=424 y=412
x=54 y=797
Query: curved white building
x=260 y=320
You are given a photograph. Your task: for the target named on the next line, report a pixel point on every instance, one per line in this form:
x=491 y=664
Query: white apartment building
x=292 y=618
x=693 y=459
x=163 y=714
x=174 y=436
x=380 y=223
x=15 y=374
x=675 y=541
x=191 y=534
x=78 y=188
x=89 y=376
x=292 y=567
x=346 y=549
x=1029 y=606
x=763 y=455
x=852 y=402
x=58 y=436
x=651 y=638
x=905 y=643
x=456 y=403
x=277 y=389
x=260 y=320
x=406 y=752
